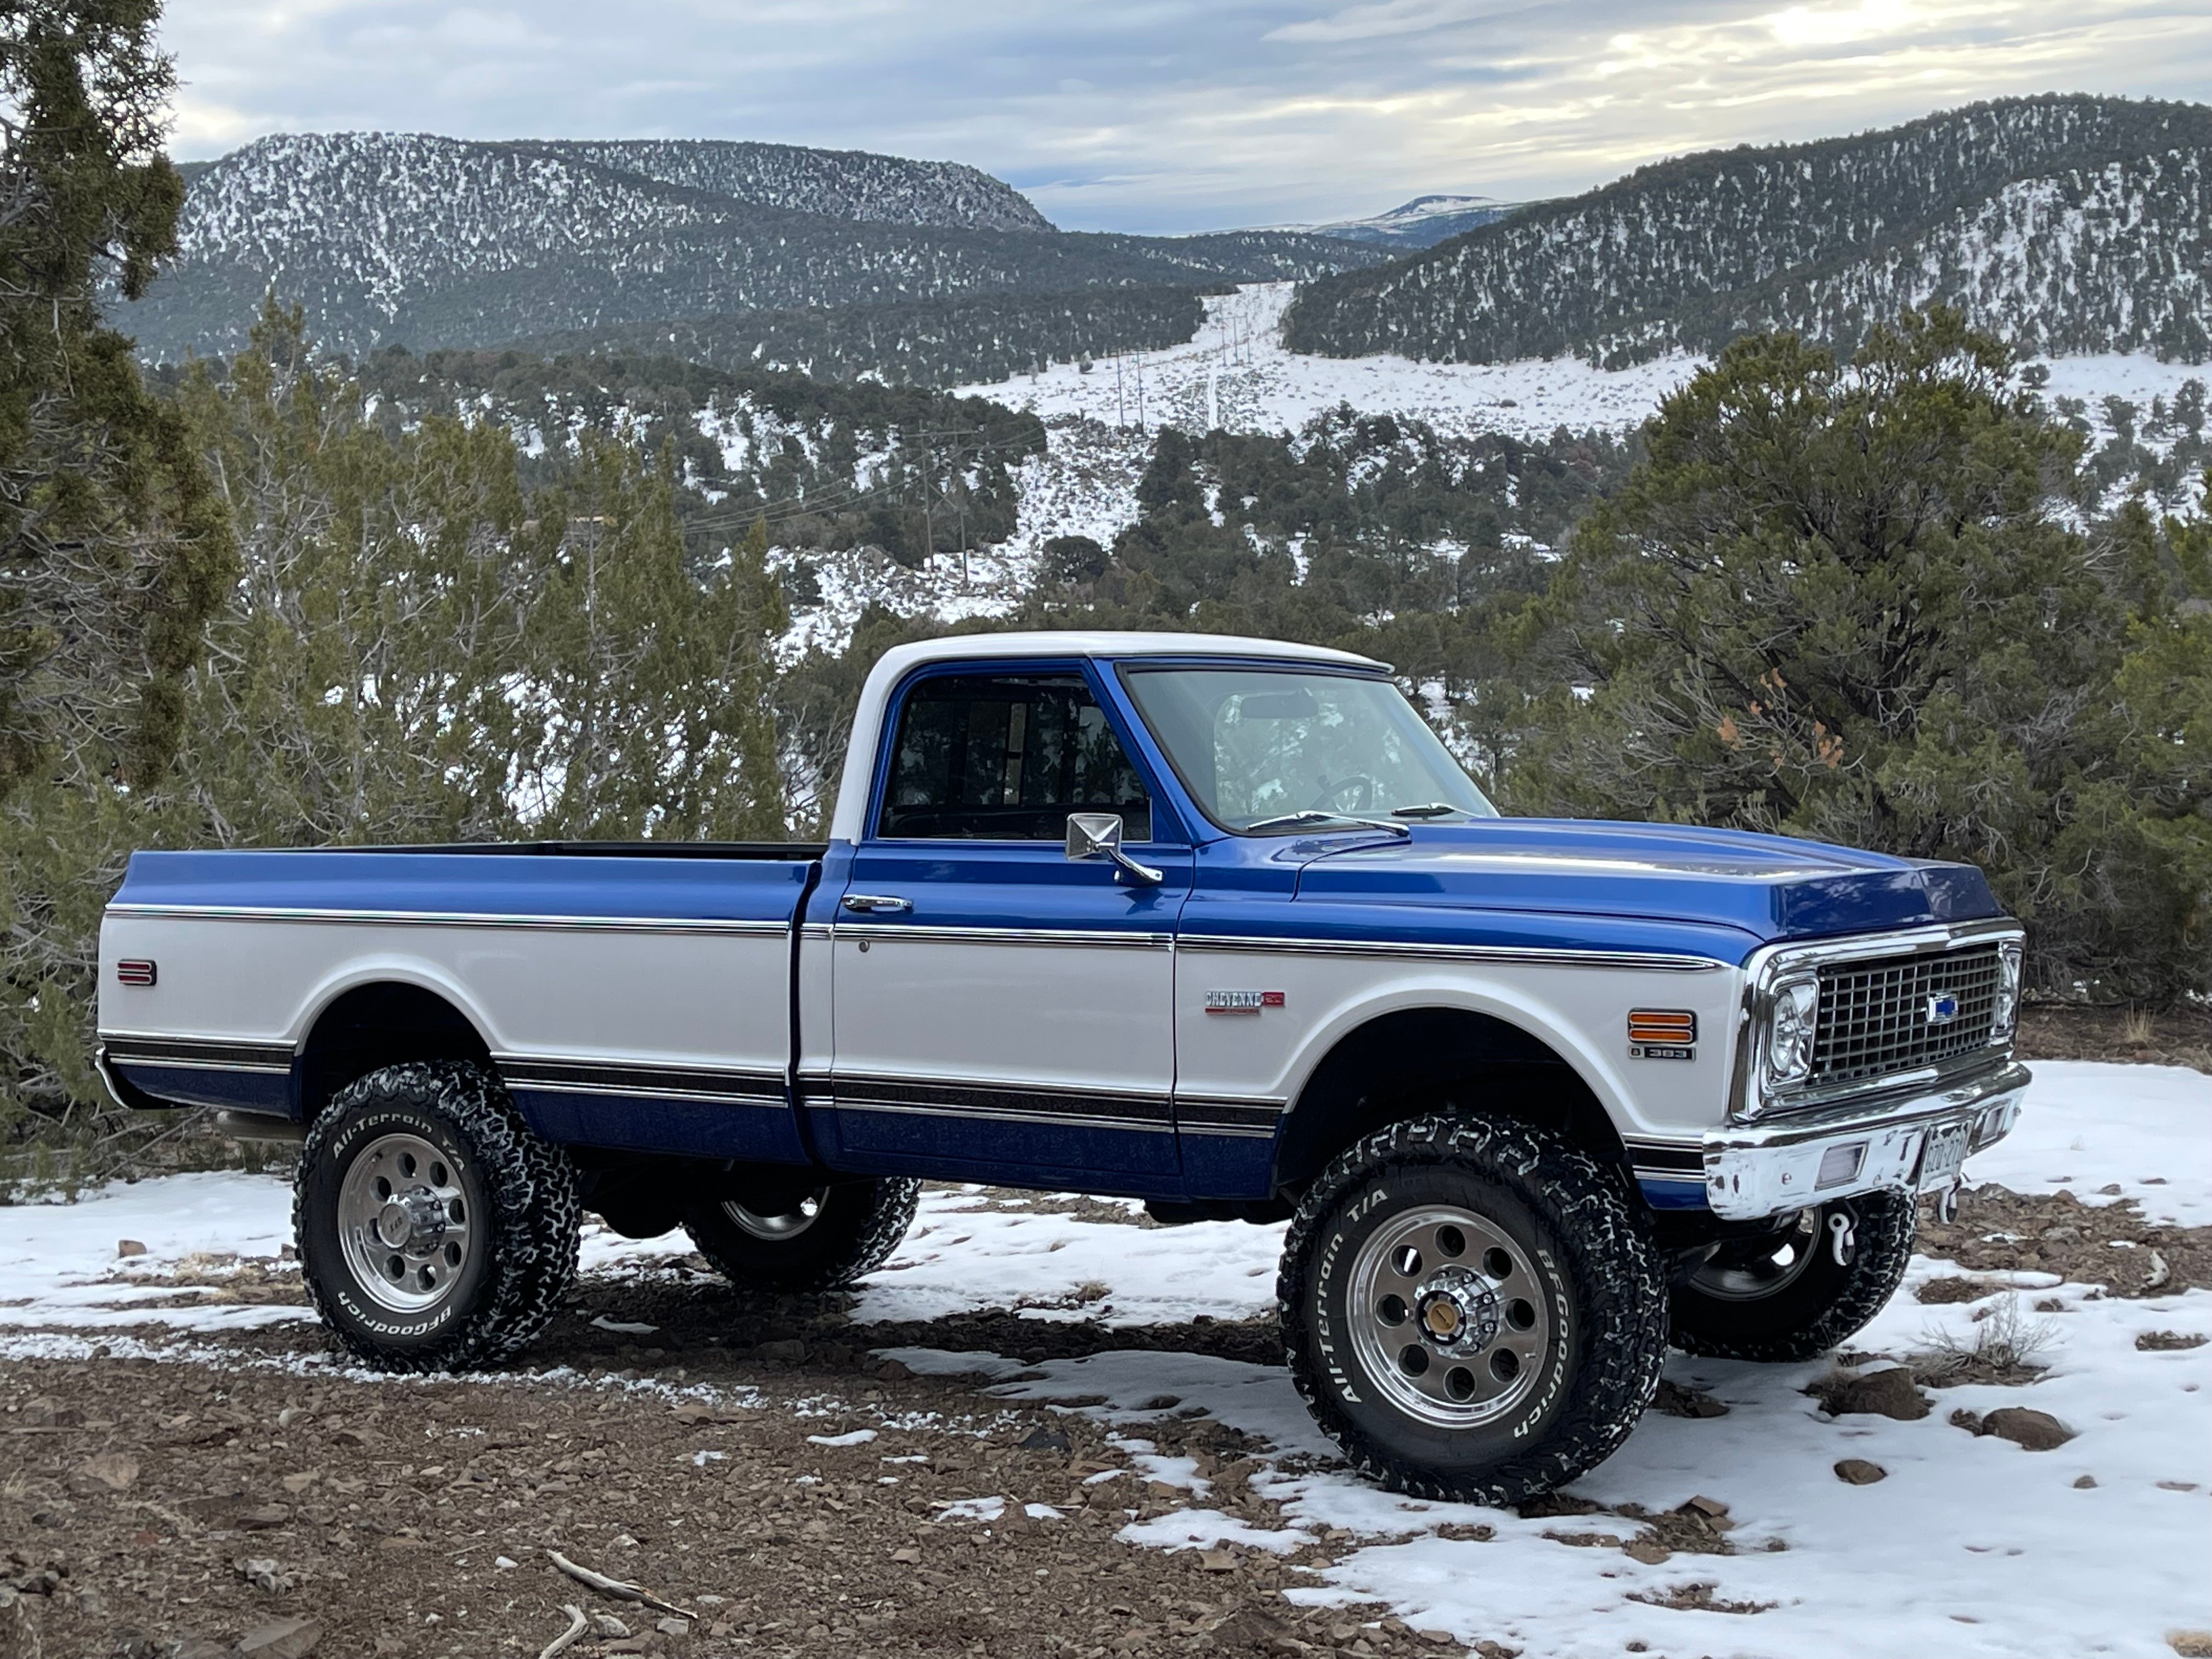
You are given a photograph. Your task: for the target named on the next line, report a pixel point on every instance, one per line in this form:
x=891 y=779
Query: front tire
x=1784 y=1297
x=790 y=1235
x=435 y=1231
x=1472 y=1309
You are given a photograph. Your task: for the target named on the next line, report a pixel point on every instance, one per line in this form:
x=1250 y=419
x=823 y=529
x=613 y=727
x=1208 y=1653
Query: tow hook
x=1947 y=1204
x=1843 y=1238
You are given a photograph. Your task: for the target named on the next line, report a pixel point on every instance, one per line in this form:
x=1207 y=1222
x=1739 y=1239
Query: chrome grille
x=1874 y=1016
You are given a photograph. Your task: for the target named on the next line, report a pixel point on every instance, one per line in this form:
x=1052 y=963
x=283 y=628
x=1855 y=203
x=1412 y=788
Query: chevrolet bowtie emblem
x=1942 y=1008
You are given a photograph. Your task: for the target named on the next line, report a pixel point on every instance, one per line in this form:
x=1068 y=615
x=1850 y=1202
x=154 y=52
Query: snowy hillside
x=431 y=241
x=2074 y=223
x=844 y=184
x=1235 y=373
x=2082 y=260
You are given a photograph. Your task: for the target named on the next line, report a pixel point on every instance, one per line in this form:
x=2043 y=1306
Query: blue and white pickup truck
x=1214 y=923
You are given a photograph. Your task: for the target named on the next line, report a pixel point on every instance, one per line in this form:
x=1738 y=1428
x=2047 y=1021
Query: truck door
x=998 y=1008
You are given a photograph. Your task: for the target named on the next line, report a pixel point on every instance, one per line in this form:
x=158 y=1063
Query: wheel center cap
x=412 y=1221
x=1457 y=1310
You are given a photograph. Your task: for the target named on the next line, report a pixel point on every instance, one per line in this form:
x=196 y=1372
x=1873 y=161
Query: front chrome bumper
x=1765 y=1169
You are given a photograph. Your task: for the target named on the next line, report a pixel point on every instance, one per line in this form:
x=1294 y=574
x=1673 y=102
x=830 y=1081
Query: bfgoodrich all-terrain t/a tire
x=793 y=1237
x=435 y=1230
x=1472 y=1309
x=1785 y=1297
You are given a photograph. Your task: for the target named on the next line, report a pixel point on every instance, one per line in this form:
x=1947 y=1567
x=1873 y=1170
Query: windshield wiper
x=1435 y=809
x=1316 y=815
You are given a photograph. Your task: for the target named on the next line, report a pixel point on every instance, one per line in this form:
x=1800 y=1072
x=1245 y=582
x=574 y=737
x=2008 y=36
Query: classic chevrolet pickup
x=1215 y=923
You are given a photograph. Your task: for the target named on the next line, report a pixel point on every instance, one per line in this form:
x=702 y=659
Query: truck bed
x=630 y=994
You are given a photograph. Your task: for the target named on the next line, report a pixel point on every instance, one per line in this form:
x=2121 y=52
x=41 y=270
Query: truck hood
x=1768 y=886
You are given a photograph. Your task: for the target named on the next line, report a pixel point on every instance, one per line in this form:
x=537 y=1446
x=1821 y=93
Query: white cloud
x=1172 y=114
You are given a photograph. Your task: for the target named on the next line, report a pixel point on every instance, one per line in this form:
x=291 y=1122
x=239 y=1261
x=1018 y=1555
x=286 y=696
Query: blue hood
x=1767 y=886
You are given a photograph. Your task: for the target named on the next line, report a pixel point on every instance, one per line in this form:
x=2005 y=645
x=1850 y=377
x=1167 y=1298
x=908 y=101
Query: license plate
x=1944 y=1153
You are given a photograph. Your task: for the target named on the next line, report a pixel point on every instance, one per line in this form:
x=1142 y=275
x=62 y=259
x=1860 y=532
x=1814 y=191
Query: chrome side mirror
x=1098 y=836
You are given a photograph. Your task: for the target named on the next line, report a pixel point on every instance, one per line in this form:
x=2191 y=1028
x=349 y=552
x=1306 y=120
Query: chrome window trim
x=456 y=919
x=1771 y=964
x=944 y=934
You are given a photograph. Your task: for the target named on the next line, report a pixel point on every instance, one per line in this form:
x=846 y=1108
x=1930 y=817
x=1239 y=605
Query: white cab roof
x=895 y=663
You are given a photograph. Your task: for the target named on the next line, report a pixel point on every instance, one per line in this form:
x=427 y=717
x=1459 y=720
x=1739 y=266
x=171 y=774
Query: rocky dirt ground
x=154 y=1508
x=756 y=1465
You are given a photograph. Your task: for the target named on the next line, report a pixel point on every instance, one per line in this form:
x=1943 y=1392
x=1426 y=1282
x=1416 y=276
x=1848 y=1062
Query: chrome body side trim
x=1747 y=1101
x=1645 y=961
x=456 y=919
x=195 y=1054
x=1756 y=1170
x=640 y=1079
x=998 y=1115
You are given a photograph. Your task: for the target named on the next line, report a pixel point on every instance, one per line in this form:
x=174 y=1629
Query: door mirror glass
x=1093 y=835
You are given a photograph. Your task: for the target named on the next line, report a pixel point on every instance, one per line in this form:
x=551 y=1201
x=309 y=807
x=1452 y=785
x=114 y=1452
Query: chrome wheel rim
x=1448 y=1317
x=1762 y=1268
x=775 y=1226
x=405 y=1225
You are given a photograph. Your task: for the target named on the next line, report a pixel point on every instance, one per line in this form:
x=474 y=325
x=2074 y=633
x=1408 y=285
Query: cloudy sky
x=1166 y=115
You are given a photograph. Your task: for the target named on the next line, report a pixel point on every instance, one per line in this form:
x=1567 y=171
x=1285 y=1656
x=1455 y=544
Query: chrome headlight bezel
x=2004 y=1011
x=1793 y=1020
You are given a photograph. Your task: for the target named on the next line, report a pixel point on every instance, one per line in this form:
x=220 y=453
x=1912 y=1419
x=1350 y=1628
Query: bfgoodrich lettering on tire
x=1788 y=1297
x=1471 y=1308
x=435 y=1231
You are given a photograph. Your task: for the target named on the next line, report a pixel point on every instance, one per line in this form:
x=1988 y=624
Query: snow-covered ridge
x=1422 y=223
x=2061 y=219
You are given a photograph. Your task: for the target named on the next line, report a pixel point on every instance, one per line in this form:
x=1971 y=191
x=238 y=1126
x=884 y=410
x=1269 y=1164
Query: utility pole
x=928 y=494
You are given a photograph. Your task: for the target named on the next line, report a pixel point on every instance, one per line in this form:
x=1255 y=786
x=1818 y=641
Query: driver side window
x=1008 y=757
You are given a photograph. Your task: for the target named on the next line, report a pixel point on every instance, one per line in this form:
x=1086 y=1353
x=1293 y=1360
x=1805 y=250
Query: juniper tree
x=111 y=554
x=1861 y=601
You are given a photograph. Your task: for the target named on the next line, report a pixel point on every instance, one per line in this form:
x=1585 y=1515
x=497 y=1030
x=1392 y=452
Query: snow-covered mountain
x=2069 y=223
x=436 y=241
x=843 y=184
x=1422 y=223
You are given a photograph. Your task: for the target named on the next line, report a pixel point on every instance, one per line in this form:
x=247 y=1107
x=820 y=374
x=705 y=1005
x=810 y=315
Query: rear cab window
x=1007 y=757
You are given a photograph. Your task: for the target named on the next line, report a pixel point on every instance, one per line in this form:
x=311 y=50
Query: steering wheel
x=1331 y=797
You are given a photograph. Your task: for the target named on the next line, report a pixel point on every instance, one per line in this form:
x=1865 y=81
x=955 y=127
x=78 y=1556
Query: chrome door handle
x=868 y=903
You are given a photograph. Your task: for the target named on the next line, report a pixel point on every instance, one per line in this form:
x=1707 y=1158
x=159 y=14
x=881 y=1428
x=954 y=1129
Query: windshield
x=1266 y=748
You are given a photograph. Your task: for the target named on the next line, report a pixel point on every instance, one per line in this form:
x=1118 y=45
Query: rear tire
x=1472 y=1309
x=793 y=1237
x=1784 y=1297
x=435 y=1231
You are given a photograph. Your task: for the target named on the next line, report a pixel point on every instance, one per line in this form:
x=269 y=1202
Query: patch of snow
x=857 y=1437
x=958 y=1259
x=2146 y=1129
x=1236 y=373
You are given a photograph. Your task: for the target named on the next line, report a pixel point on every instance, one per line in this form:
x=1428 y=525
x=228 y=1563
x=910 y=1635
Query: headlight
x=1789 y=1032
x=2004 y=1006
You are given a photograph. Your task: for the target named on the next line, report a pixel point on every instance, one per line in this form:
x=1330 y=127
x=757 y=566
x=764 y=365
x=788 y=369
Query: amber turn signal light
x=1672 y=1026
